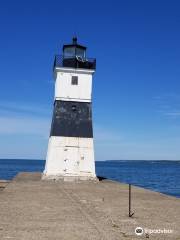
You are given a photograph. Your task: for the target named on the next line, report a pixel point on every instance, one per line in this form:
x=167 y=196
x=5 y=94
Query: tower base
x=70 y=159
x=69 y=178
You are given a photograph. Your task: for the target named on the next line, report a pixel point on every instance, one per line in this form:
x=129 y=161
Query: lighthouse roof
x=74 y=44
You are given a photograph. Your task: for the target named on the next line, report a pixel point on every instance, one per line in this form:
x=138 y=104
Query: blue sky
x=136 y=91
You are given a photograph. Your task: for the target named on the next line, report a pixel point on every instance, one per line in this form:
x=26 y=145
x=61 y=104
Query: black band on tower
x=72 y=119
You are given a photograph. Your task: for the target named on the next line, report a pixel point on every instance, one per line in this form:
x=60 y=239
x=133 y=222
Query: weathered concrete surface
x=31 y=209
x=3 y=184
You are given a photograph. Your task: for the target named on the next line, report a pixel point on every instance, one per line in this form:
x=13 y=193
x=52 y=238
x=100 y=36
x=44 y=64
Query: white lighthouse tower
x=70 y=152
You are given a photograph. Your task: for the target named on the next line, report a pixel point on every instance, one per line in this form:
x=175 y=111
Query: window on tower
x=74 y=108
x=74 y=80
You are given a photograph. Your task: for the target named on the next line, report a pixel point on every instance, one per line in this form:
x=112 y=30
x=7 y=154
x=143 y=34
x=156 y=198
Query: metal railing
x=74 y=62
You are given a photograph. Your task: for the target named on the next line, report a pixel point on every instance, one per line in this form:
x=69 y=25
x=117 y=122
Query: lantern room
x=74 y=56
x=74 y=50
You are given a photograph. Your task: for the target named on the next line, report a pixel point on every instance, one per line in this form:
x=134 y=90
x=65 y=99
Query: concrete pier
x=32 y=209
x=3 y=184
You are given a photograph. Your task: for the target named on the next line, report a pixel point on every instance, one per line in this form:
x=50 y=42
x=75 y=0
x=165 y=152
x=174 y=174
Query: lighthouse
x=70 y=154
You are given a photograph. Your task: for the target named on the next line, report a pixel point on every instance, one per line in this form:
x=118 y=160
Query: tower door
x=71 y=160
x=87 y=161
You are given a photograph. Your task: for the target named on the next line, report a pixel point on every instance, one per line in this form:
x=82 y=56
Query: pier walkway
x=32 y=209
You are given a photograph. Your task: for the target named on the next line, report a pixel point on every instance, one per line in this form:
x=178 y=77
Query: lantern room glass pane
x=69 y=52
x=80 y=52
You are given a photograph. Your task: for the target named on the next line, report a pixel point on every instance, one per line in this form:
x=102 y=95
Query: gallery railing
x=75 y=62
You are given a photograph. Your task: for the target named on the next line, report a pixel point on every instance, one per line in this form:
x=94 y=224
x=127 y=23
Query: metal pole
x=130 y=214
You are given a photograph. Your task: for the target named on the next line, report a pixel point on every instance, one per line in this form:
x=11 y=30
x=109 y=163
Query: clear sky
x=136 y=89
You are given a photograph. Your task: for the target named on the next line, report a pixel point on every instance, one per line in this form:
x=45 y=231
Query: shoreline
x=4 y=182
x=157 y=176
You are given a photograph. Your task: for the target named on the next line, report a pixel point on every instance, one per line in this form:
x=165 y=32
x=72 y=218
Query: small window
x=74 y=80
x=74 y=108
